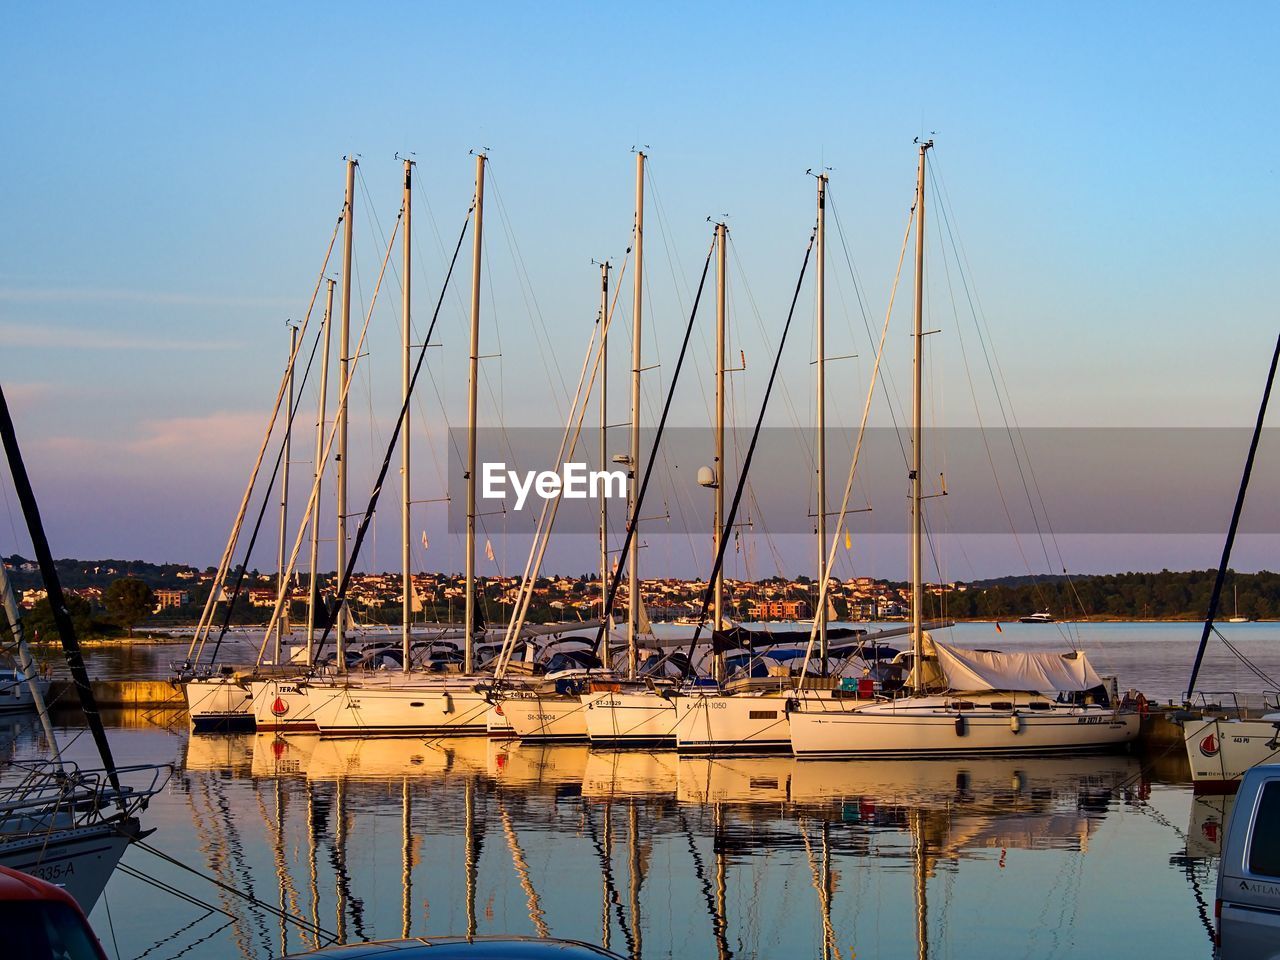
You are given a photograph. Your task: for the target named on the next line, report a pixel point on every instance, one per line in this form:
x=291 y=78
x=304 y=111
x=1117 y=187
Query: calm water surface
x=657 y=855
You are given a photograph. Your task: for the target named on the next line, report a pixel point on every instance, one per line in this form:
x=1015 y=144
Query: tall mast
x=57 y=602
x=820 y=611
x=1235 y=523
x=405 y=563
x=318 y=470
x=633 y=558
x=344 y=373
x=604 y=442
x=472 y=388
x=722 y=236
x=281 y=586
x=917 y=442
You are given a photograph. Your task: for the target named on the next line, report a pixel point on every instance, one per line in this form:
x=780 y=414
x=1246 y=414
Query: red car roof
x=24 y=887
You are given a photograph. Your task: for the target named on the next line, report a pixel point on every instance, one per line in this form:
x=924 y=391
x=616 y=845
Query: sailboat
x=59 y=822
x=1236 y=618
x=18 y=689
x=1220 y=748
x=630 y=711
x=749 y=712
x=405 y=702
x=549 y=707
x=960 y=701
x=223 y=696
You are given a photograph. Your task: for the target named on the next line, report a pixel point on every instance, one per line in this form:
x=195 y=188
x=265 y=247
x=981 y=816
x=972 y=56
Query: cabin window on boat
x=38 y=931
x=1264 y=849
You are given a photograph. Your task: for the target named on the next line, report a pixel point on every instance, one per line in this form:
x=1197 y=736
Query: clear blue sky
x=172 y=176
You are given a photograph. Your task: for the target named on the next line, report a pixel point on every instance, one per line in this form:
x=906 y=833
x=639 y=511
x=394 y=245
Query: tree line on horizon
x=1171 y=595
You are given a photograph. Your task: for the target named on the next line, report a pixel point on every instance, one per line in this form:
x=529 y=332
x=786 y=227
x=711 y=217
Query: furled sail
x=989 y=670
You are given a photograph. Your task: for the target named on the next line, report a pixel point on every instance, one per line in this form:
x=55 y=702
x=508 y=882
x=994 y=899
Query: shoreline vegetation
x=110 y=598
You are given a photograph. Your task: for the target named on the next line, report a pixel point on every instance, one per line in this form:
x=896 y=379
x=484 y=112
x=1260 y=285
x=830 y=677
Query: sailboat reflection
x=658 y=828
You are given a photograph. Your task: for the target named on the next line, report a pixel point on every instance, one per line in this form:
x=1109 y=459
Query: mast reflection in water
x=655 y=855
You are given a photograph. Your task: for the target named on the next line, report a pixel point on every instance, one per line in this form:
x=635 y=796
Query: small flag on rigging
x=999 y=629
x=488 y=550
x=425 y=544
x=848 y=541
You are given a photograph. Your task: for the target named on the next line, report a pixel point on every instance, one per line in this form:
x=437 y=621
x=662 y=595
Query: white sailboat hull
x=218 y=704
x=890 y=730
x=431 y=708
x=496 y=724
x=547 y=716
x=1221 y=750
x=281 y=704
x=79 y=859
x=15 y=695
x=629 y=717
x=714 y=722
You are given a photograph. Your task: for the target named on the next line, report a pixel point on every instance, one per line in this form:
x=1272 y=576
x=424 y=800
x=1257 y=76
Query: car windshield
x=1264 y=849
x=45 y=931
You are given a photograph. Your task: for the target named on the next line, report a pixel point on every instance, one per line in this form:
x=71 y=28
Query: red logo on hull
x=1209 y=746
x=280 y=707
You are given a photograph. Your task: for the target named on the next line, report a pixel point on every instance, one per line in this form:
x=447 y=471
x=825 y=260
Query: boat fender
x=1015 y=723
x=448 y=702
x=961 y=726
x=791 y=705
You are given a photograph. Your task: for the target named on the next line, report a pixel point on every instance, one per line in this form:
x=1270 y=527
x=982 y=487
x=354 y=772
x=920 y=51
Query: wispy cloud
x=46 y=336
x=167 y=443
x=162 y=297
x=220 y=432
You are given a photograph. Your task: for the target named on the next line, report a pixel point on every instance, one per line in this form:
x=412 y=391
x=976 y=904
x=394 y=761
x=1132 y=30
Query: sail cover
x=1040 y=672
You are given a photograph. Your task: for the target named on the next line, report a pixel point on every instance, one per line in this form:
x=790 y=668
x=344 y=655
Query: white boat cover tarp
x=1039 y=672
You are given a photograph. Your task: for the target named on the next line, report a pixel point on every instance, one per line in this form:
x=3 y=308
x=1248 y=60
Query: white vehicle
x=1248 y=898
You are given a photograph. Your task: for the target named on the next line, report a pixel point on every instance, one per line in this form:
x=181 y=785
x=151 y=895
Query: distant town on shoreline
x=110 y=597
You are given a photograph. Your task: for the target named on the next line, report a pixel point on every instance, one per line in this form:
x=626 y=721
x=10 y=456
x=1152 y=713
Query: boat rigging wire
x=1248 y=664
x=528 y=295
x=57 y=601
x=313 y=498
x=887 y=387
x=206 y=617
x=314 y=930
x=1000 y=402
x=550 y=507
x=1235 y=523
x=262 y=511
x=648 y=467
x=1001 y=390
x=728 y=520
x=340 y=599
x=857 y=449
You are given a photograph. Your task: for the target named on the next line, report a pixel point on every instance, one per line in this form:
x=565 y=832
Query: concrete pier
x=1161 y=728
x=118 y=693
